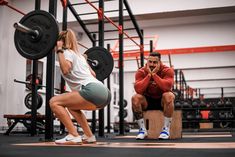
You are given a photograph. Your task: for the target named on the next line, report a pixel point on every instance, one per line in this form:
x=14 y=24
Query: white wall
x=12 y=66
x=153 y=6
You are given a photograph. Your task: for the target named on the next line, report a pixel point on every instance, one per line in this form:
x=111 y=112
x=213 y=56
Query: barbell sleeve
x=25 y=29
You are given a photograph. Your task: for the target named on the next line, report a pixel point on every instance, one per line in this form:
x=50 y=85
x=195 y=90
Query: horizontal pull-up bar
x=105 y=22
x=107 y=39
x=113 y=30
x=90 y=13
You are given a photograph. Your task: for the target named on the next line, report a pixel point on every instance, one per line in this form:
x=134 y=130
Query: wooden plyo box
x=154 y=120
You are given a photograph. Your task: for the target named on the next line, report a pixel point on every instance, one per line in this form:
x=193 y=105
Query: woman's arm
x=65 y=65
x=92 y=71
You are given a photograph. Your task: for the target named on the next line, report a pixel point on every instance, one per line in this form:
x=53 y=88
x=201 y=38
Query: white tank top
x=80 y=73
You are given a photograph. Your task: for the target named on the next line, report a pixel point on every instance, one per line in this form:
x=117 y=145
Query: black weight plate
x=40 y=123
x=28 y=101
x=47 y=25
x=105 y=62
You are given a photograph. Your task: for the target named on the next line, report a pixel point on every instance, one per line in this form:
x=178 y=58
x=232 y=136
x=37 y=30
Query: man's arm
x=166 y=83
x=141 y=82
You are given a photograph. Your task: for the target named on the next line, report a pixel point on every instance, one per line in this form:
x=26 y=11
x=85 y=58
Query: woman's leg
x=72 y=101
x=81 y=119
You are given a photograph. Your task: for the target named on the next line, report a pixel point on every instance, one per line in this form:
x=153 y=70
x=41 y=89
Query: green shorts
x=96 y=93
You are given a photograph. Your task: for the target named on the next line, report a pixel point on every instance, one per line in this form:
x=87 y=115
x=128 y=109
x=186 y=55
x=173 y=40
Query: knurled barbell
x=37 y=33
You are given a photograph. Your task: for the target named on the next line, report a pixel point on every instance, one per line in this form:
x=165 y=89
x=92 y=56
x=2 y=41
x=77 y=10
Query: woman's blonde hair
x=69 y=39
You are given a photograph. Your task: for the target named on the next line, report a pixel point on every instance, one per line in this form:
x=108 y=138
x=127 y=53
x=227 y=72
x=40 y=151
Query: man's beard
x=151 y=68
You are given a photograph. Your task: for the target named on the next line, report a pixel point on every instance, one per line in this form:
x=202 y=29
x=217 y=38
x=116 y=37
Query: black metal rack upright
x=93 y=124
x=101 y=44
x=62 y=84
x=121 y=71
x=34 y=87
x=50 y=82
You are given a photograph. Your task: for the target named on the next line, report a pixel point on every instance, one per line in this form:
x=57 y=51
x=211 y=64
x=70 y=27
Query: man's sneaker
x=142 y=134
x=69 y=139
x=86 y=139
x=164 y=135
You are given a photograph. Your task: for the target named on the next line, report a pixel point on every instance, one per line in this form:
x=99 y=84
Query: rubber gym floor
x=211 y=144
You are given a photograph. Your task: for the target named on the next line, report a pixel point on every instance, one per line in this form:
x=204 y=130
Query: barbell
x=36 y=35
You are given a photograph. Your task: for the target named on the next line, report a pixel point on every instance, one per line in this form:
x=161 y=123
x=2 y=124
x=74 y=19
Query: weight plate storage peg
x=36 y=34
x=101 y=61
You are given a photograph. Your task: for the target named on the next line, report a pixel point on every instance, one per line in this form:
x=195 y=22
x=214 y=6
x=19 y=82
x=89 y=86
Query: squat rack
x=102 y=19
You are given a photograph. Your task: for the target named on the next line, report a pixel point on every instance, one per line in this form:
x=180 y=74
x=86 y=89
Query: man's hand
x=156 y=69
x=148 y=69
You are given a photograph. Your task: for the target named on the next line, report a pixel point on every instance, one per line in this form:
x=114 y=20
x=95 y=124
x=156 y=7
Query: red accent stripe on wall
x=207 y=49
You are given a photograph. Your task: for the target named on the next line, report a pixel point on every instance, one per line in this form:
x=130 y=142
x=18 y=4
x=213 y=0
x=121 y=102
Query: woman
x=87 y=93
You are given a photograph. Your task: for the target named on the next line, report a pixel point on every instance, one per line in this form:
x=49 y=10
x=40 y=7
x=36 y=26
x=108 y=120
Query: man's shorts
x=154 y=104
x=96 y=93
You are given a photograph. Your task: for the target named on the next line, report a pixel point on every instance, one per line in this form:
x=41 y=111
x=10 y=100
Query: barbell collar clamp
x=94 y=63
x=22 y=28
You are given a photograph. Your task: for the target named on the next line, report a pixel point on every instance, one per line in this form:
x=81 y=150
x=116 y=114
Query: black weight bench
x=12 y=120
x=19 y=118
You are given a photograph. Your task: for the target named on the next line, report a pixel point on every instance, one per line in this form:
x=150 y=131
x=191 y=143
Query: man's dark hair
x=155 y=54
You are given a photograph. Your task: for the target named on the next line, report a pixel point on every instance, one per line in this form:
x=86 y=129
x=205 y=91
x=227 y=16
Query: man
x=153 y=86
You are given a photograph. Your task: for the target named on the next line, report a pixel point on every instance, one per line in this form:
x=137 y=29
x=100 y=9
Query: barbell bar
x=31 y=83
x=36 y=35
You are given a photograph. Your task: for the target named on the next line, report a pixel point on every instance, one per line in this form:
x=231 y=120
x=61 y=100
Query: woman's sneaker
x=70 y=139
x=88 y=140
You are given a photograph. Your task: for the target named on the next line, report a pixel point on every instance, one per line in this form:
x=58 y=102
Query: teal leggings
x=96 y=93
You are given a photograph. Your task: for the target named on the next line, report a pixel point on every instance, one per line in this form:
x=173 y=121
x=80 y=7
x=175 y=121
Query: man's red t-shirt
x=154 y=87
